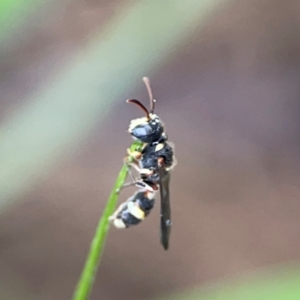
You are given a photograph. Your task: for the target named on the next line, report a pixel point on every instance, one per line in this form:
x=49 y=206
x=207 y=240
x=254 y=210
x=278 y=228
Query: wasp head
x=146 y=129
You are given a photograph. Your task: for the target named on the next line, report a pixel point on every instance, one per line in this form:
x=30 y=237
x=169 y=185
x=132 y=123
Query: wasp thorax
x=146 y=130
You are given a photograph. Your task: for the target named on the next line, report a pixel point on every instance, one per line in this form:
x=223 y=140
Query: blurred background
x=226 y=77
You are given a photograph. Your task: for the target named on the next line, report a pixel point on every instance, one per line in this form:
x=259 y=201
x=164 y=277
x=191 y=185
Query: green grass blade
x=88 y=274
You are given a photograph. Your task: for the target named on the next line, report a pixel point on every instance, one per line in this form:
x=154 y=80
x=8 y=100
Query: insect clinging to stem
x=153 y=162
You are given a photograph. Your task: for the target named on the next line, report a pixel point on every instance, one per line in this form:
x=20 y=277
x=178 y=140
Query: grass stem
x=92 y=262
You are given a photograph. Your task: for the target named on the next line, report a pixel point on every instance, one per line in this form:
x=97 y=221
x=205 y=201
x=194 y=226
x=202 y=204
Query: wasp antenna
x=150 y=93
x=138 y=103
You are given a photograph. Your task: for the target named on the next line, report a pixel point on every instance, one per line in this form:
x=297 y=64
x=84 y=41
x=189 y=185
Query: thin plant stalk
x=86 y=280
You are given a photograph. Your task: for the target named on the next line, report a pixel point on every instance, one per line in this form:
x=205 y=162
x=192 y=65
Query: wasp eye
x=141 y=131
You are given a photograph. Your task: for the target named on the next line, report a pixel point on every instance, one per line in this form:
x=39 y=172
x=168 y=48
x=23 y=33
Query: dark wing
x=165 y=209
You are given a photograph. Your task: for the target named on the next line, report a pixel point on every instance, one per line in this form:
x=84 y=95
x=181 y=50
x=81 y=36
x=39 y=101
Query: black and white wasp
x=153 y=163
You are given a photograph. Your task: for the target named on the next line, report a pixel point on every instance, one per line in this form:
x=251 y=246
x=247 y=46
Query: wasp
x=153 y=163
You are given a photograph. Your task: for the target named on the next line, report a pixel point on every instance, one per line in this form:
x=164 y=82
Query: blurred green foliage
x=280 y=283
x=14 y=12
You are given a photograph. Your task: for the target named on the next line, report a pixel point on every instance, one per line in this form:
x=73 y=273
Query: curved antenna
x=138 y=103
x=150 y=93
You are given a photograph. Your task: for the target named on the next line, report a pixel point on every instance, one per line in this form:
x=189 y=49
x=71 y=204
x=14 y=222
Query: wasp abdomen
x=135 y=210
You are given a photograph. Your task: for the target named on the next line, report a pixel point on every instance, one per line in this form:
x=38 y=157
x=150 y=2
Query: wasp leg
x=134 y=179
x=161 y=161
x=134 y=165
x=138 y=183
x=149 y=187
x=129 y=168
x=125 y=185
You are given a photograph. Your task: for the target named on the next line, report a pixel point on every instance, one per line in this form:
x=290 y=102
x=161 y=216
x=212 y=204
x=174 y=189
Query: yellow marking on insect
x=119 y=223
x=137 y=212
x=159 y=147
x=153 y=116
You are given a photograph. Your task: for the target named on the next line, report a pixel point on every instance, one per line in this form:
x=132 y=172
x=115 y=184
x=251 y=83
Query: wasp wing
x=165 y=208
